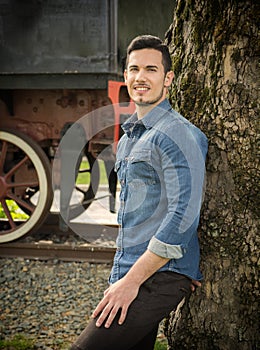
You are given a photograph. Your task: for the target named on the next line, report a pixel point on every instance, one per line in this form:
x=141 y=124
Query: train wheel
x=25 y=185
x=86 y=184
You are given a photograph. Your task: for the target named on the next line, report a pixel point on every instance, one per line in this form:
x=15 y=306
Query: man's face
x=145 y=77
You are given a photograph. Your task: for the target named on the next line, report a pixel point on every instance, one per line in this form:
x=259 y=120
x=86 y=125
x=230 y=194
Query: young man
x=160 y=165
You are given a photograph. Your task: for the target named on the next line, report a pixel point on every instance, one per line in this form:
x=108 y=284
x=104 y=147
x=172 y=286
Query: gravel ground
x=48 y=301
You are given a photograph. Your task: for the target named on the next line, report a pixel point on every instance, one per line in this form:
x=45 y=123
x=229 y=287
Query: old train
x=60 y=61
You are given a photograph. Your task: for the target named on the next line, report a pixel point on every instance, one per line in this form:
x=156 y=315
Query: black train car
x=60 y=61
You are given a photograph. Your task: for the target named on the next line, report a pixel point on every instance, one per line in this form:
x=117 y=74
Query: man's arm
x=122 y=293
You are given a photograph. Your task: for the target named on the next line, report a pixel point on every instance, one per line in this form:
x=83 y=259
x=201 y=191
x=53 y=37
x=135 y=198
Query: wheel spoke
x=23 y=184
x=16 y=167
x=8 y=214
x=81 y=171
x=21 y=202
x=3 y=156
x=80 y=190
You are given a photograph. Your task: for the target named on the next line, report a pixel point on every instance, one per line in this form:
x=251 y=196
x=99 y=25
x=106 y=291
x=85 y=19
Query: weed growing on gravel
x=18 y=342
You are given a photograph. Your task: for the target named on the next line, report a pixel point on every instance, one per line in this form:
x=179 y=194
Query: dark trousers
x=157 y=297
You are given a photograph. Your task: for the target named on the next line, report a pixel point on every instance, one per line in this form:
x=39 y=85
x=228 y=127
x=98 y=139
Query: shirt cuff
x=165 y=250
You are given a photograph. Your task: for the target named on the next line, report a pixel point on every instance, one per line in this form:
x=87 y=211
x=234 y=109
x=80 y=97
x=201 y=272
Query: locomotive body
x=61 y=61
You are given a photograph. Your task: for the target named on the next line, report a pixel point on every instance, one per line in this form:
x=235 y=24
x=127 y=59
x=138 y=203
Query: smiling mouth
x=141 y=88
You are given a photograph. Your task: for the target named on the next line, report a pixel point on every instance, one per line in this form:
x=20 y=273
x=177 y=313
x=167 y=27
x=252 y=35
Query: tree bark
x=215 y=50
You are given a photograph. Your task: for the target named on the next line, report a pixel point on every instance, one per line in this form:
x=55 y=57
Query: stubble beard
x=142 y=103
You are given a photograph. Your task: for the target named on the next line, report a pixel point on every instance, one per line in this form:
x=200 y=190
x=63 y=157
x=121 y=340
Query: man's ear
x=168 y=78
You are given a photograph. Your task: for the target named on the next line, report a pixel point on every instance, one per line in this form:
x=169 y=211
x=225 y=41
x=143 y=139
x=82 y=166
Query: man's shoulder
x=176 y=127
x=173 y=118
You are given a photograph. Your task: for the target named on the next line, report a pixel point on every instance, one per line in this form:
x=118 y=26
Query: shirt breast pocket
x=140 y=167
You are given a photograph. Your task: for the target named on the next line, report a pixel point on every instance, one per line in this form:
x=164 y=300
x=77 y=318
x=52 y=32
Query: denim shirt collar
x=149 y=120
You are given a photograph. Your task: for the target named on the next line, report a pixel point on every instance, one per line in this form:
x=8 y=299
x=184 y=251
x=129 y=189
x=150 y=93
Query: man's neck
x=141 y=111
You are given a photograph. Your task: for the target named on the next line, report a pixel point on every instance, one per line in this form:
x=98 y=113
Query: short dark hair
x=151 y=42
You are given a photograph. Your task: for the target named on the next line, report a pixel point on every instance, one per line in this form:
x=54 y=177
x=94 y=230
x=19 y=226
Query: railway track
x=69 y=246
x=46 y=251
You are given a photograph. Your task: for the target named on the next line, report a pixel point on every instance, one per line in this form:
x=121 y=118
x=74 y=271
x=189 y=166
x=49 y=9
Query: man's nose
x=141 y=76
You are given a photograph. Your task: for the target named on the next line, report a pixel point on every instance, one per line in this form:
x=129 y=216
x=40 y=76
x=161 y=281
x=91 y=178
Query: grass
x=83 y=178
x=18 y=342
x=15 y=211
x=160 y=345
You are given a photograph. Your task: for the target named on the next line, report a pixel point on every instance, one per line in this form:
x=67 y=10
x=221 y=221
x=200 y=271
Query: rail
x=65 y=252
x=68 y=246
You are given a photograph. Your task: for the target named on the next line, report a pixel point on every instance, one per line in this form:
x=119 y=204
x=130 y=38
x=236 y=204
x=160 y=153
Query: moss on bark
x=215 y=54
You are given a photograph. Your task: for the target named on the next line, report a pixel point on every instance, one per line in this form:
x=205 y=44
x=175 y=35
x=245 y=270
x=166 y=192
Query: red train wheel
x=25 y=185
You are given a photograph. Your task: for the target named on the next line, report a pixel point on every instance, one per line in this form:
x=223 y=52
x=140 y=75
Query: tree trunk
x=215 y=50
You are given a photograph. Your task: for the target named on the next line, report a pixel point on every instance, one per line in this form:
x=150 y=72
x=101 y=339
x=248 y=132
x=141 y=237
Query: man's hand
x=118 y=296
x=122 y=293
x=194 y=285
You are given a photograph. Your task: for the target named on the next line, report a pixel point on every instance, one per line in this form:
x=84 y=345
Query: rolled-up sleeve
x=183 y=155
x=165 y=250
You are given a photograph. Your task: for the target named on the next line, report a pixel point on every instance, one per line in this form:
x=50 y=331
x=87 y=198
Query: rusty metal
x=42 y=114
x=64 y=252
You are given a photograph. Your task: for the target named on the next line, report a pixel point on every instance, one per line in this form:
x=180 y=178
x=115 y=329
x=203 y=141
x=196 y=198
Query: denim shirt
x=160 y=164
